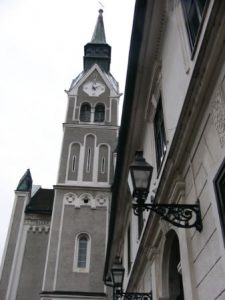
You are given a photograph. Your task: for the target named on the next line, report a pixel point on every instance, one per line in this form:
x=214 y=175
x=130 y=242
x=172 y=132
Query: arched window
x=82 y=253
x=103 y=163
x=99 y=113
x=73 y=167
x=89 y=157
x=85 y=113
x=171 y=268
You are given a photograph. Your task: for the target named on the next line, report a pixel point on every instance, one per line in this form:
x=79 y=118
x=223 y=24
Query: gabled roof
x=83 y=75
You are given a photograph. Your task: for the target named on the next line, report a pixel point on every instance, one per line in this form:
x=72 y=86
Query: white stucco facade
x=173 y=262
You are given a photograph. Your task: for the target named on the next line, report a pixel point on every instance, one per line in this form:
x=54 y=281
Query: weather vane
x=101 y=4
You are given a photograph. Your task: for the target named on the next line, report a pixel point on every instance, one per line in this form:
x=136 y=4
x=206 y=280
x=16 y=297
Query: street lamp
x=180 y=215
x=117 y=274
x=139 y=178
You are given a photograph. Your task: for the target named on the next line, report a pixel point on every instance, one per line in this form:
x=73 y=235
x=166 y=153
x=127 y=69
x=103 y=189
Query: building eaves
x=135 y=48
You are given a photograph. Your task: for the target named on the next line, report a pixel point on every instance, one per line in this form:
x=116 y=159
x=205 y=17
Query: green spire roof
x=25 y=183
x=99 y=32
x=98 y=51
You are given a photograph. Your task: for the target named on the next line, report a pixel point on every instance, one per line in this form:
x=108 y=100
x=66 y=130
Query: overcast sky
x=41 y=52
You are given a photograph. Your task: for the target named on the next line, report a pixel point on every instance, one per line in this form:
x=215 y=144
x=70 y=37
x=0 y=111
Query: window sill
x=81 y=270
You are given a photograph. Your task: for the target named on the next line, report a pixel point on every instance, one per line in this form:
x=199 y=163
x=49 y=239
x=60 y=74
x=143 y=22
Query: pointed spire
x=99 y=32
x=25 y=183
x=98 y=51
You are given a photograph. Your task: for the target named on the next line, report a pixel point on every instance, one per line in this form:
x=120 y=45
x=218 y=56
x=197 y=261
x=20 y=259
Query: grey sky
x=41 y=52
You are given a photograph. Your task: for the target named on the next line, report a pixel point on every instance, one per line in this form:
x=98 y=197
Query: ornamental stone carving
x=39 y=229
x=70 y=198
x=44 y=224
x=85 y=199
x=101 y=200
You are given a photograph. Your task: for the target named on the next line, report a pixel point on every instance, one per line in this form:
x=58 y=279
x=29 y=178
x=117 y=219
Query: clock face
x=94 y=88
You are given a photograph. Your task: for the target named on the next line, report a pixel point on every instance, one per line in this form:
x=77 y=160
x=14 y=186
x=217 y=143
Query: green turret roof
x=25 y=183
x=99 y=32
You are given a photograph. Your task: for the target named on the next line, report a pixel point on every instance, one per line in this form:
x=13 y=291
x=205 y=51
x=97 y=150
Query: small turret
x=25 y=183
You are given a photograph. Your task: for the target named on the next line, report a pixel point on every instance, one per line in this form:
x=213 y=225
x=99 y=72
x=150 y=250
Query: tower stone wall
x=57 y=240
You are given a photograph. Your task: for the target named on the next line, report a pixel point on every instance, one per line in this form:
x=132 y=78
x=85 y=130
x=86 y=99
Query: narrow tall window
x=193 y=13
x=85 y=113
x=103 y=165
x=89 y=160
x=160 y=136
x=99 y=113
x=82 y=252
x=219 y=184
x=89 y=157
x=74 y=163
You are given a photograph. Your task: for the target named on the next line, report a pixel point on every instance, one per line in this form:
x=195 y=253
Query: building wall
x=71 y=216
x=13 y=253
x=93 y=223
x=195 y=151
x=32 y=269
x=26 y=248
x=106 y=136
x=81 y=203
x=206 y=248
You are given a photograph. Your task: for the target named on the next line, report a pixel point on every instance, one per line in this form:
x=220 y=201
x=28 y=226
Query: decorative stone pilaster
x=218 y=115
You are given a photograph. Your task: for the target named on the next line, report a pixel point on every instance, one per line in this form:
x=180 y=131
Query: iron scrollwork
x=133 y=296
x=180 y=215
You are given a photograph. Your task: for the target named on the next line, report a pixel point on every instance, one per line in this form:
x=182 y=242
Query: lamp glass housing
x=140 y=174
x=117 y=273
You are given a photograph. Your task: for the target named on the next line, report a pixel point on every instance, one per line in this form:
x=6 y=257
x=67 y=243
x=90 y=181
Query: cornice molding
x=90 y=126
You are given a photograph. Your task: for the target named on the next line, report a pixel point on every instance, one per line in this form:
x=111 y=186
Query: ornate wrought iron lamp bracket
x=180 y=215
x=116 y=282
x=132 y=296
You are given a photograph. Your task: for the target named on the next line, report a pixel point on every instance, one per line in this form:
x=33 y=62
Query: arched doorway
x=172 y=284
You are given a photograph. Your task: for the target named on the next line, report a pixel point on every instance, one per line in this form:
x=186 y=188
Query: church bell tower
x=77 y=238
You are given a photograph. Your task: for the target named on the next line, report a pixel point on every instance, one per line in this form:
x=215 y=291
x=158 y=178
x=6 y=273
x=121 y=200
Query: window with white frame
x=82 y=253
x=73 y=166
x=103 y=163
x=85 y=112
x=99 y=113
x=88 y=166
